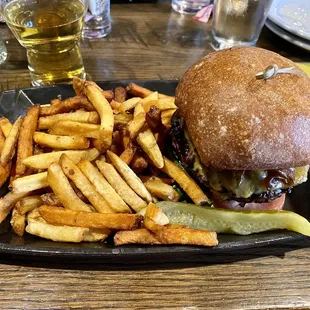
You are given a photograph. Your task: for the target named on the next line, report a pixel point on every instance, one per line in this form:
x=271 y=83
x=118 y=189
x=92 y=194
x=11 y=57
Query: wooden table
x=149 y=41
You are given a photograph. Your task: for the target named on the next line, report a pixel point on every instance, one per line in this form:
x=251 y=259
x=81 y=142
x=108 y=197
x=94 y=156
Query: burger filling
x=240 y=185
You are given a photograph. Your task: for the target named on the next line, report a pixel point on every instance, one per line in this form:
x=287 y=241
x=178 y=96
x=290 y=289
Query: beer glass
x=238 y=22
x=50 y=31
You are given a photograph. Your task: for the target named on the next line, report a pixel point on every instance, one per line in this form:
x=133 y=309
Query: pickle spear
x=233 y=222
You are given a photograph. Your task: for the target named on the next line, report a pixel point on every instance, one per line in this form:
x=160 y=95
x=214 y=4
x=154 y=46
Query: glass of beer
x=50 y=31
x=238 y=22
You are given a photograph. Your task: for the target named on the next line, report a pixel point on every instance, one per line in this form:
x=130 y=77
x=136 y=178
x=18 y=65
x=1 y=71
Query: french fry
x=161 y=190
x=95 y=235
x=130 y=177
x=18 y=222
x=47 y=122
x=122 y=119
x=4 y=173
x=138 y=109
x=72 y=128
x=151 y=99
x=63 y=190
x=161 y=104
x=30 y=183
x=120 y=94
x=103 y=187
x=7 y=203
x=2 y=140
x=61 y=142
x=55 y=233
x=25 y=140
x=55 y=101
x=43 y=161
x=139 y=91
x=128 y=153
x=137 y=236
x=51 y=199
x=120 y=221
x=67 y=105
x=5 y=126
x=166 y=116
x=34 y=214
x=124 y=136
x=149 y=145
x=28 y=203
x=120 y=186
x=138 y=163
x=154 y=218
x=115 y=106
x=129 y=104
x=145 y=178
x=135 y=126
x=9 y=146
x=185 y=181
x=105 y=112
x=83 y=184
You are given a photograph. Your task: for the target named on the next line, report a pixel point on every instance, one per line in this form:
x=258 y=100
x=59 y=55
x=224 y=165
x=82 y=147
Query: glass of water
x=97 y=21
x=238 y=22
x=189 y=6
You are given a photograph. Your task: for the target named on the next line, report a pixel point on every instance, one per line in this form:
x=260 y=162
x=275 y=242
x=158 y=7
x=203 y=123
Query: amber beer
x=50 y=31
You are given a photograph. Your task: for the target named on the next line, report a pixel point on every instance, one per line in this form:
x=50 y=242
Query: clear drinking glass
x=189 y=6
x=3 y=51
x=238 y=22
x=98 y=21
x=50 y=31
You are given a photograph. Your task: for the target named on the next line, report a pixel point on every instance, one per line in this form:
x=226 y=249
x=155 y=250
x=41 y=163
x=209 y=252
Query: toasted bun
x=237 y=122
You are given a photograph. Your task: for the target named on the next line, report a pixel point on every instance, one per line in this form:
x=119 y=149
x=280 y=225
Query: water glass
x=3 y=51
x=98 y=21
x=50 y=31
x=238 y=22
x=189 y=6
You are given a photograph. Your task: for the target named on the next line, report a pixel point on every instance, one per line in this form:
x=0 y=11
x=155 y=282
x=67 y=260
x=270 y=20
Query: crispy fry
x=149 y=145
x=27 y=204
x=138 y=109
x=56 y=101
x=7 y=203
x=9 y=146
x=129 y=104
x=43 y=161
x=154 y=218
x=115 y=106
x=95 y=235
x=120 y=221
x=120 y=94
x=4 y=173
x=135 y=126
x=105 y=112
x=128 y=153
x=103 y=187
x=47 y=122
x=55 y=233
x=18 y=222
x=151 y=99
x=124 y=136
x=63 y=190
x=120 y=186
x=161 y=190
x=145 y=178
x=129 y=176
x=138 y=163
x=137 y=236
x=185 y=181
x=61 y=142
x=2 y=140
x=30 y=183
x=161 y=104
x=50 y=199
x=140 y=91
x=72 y=128
x=166 y=116
x=122 y=119
x=67 y=105
x=5 y=126
x=83 y=184
x=25 y=140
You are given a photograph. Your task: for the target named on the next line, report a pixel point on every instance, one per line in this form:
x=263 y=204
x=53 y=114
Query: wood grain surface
x=149 y=41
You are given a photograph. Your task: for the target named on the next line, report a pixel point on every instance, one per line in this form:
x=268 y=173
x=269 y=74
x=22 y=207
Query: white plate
x=287 y=35
x=292 y=15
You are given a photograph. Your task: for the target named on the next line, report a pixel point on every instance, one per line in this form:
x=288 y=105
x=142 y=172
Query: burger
x=242 y=129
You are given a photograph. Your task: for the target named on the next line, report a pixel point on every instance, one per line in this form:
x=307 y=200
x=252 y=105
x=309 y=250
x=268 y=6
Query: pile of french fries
x=81 y=168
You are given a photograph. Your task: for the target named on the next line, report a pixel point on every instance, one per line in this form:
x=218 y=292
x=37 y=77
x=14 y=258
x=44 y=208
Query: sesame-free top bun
x=238 y=122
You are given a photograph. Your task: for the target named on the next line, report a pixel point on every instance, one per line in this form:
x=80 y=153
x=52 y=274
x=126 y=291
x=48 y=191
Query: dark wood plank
x=150 y=41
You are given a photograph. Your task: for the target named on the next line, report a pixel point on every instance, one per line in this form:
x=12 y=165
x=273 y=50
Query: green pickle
x=233 y=222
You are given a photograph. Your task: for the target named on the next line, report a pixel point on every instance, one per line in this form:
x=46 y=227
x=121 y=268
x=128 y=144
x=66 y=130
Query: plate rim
x=274 y=17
